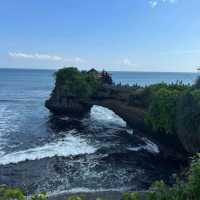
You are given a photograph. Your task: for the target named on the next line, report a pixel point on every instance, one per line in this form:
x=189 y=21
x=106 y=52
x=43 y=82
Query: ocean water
x=41 y=152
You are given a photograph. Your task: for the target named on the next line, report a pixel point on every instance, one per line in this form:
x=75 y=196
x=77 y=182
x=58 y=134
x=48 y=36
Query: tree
x=162 y=111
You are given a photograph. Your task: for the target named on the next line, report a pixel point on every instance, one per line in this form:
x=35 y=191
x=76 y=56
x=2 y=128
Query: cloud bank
x=35 y=56
x=45 y=57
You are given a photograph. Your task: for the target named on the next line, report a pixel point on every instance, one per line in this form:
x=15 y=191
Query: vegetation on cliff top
x=161 y=114
x=81 y=84
x=175 y=109
x=75 y=83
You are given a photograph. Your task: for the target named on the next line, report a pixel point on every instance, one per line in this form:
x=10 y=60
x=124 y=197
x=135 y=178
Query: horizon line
x=137 y=71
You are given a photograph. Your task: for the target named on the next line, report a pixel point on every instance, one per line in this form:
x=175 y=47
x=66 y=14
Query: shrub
x=75 y=198
x=16 y=194
x=9 y=194
x=131 y=196
x=76 y=83
x=188 y=120
x=139 y=97
x=41 y=196
x=193 y=185
x=162 y=110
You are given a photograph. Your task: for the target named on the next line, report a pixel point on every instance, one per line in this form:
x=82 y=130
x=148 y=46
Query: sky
x=126 y=35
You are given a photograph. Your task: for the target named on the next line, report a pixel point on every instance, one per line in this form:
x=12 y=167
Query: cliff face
x=60 y=103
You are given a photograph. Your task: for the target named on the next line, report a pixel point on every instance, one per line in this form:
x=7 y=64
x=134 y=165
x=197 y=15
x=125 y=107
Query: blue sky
x=136 y=35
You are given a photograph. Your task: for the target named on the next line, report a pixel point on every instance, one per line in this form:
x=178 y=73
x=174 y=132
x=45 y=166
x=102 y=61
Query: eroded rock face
x=60 y=103
x=110 y=96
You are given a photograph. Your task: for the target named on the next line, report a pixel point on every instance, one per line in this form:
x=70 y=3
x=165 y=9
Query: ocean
x=42 y=152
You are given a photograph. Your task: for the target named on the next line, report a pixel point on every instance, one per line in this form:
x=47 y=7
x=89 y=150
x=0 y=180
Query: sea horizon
x=134 y=71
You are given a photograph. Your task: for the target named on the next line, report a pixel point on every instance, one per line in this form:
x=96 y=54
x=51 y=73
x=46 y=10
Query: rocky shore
x=106 y=195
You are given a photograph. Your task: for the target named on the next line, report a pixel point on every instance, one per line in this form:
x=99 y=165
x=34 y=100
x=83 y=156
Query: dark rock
x=60 y=103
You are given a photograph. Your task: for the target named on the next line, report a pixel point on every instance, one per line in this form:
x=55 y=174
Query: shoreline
x=93 y=195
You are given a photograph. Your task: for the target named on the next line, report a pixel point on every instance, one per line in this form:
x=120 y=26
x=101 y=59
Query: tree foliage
x=76 y=83
x=161 y=115
x=7 y=193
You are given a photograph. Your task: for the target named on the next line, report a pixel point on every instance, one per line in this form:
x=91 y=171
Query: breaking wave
x=106 y=116
x=149 y=146
x=69 y=145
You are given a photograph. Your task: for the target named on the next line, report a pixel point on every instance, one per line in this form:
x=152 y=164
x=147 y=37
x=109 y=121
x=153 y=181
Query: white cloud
x=35 y=56
x=154 y=3
x=127 y=62
x=45 y=57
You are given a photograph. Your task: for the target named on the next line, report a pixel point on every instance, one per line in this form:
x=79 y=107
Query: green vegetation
x=76 y=83
x=81 y=84
x=181 y=190
x=75 y=198
x=8 y=194
x=16 y=194
x=175 y=109
x=162 y=107
x=41 y=196
x=161 y=115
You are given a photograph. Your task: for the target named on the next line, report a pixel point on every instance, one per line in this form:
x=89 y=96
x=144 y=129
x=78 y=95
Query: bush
x=16 y=194
x=41 y=196
x=161 y=114
x=162 y=110
x=9 y=194
x=131 y=196
x=76 y=83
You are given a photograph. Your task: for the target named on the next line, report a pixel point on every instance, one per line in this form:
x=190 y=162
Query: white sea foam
x=106 y=115
x=3 y=126
x=149 y=146
x=87 y=190
x=70 y=145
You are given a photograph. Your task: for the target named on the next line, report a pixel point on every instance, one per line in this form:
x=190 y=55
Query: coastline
x=107 y=195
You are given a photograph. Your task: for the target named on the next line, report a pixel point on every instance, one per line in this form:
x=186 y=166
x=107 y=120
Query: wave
x=68 y=146
x=149 y=146
x=106 y=116
x=87 y=190
x=3 y=127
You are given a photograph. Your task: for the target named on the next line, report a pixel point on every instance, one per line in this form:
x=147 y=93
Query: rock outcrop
x=60 y=103
x=126 y=101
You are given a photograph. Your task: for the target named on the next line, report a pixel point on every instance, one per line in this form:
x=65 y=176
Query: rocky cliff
x=129 y=102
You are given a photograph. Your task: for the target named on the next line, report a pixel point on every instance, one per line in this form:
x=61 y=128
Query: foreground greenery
x=187 y=189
